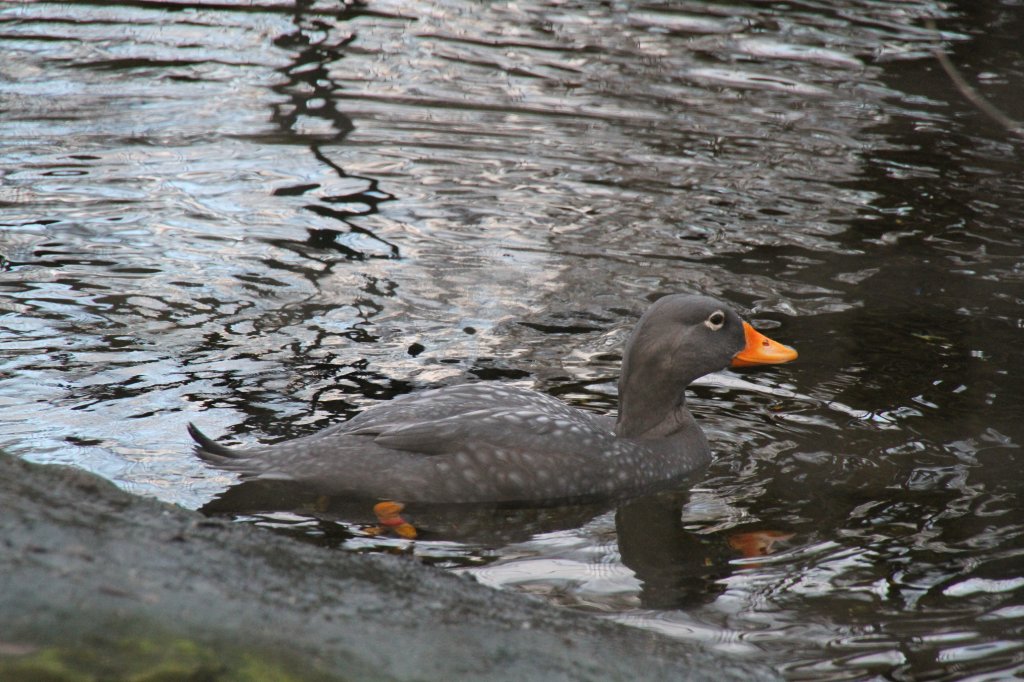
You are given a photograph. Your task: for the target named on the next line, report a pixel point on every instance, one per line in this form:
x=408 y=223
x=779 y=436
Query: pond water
x=267 y=217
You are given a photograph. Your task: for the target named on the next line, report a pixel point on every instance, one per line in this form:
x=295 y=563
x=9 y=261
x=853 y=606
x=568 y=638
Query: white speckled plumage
x=489 y=442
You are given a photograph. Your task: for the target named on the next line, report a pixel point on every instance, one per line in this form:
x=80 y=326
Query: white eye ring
x=715 y=321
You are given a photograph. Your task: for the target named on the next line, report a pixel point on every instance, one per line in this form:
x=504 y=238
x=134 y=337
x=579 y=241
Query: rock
x=98 y=584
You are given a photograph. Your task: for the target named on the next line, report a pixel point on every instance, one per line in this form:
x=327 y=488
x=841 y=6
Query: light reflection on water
x=265 y=220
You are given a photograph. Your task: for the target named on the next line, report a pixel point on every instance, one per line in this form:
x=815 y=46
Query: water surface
x=266 y=218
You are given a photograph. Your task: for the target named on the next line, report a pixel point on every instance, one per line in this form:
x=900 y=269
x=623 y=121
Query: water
x=267 y=218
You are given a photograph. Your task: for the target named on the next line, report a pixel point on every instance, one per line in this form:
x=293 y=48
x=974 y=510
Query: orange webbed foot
x=390 y=520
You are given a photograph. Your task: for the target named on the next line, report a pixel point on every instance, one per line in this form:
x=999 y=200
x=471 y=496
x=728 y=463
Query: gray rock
x=90 y=573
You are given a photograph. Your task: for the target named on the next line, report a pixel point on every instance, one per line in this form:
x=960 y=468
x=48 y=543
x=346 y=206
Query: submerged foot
x=389 y=519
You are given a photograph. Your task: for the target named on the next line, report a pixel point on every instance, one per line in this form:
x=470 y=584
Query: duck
x=489 y=442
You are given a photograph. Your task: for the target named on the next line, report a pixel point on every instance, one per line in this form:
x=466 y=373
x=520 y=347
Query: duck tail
x=209 y=450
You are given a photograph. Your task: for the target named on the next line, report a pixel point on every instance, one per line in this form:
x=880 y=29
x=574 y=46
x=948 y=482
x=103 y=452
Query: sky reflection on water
x=265 y=219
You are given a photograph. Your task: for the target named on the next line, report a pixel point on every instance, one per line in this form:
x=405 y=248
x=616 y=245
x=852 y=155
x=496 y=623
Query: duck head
x=680 y=338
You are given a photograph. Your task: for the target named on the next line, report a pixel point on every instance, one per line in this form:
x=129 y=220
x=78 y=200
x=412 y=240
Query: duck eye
x=715 y=320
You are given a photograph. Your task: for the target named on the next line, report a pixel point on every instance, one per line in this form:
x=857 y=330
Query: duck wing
x=450 y=445
x=440 y=403
x=525 y=429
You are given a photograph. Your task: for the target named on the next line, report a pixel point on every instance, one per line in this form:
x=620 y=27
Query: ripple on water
x=266 y=220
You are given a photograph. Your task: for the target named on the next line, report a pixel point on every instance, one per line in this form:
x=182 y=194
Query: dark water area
x=266 y=217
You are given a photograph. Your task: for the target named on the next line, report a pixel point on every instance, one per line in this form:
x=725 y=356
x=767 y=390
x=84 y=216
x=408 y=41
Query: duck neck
x=648 y=412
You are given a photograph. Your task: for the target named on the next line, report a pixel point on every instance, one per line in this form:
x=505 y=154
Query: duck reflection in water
x=678 y=564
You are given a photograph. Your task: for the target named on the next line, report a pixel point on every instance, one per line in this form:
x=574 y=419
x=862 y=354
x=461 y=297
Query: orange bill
x=760 y=350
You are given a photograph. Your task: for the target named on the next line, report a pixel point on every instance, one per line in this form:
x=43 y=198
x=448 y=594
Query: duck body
x=494 y=443
x=472 y=443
